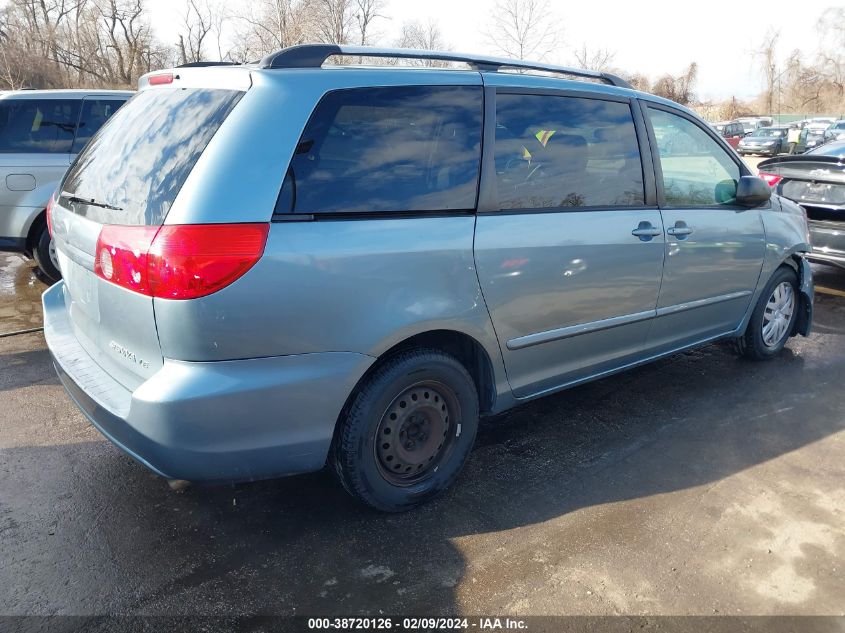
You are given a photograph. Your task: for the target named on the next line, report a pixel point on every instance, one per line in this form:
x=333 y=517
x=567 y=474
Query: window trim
x=644 y=105
x=489 y=202
x=309 y=216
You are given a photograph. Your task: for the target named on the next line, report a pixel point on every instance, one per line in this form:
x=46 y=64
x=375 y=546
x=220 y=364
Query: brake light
x=178 y=261
x=771 y=179
x=49 y=213
x=163 y=78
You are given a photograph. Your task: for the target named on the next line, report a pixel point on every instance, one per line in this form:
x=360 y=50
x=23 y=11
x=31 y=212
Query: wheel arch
x=38 y=223
x=464 y=347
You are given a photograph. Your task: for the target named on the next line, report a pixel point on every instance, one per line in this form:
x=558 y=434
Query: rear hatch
x=816 y=182
x=127 y=178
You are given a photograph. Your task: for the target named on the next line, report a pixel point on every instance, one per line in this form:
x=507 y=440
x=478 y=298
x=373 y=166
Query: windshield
x=838 y=126
x=769 y=132
x=134 y=167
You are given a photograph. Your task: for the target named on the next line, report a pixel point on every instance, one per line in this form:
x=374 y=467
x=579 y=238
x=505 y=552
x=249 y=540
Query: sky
x=650 y=37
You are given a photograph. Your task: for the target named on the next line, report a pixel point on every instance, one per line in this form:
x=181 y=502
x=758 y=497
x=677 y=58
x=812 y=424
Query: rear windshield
x=137 y=163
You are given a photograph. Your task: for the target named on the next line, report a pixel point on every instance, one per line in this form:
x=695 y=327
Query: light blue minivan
x=274 y=267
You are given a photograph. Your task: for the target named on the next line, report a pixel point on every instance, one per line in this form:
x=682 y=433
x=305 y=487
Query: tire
x=46 y=262
x=385 y=451
x=761 y=342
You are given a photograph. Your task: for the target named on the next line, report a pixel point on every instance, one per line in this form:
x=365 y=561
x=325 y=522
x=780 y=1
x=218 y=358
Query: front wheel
x=408 y=431
x=45 y=255
x=773 y=319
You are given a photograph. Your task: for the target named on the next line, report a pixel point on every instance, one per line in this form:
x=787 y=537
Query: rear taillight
x=49 y=213
x=771 y=179
x=178 y=261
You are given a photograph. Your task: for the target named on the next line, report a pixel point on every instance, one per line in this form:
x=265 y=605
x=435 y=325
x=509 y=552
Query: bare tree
x=367 y=12
x=331 y=20
x=732 y=109
x=767 y=54
x=197 y=25
x=831 y=54
x=59 y=43
x=524 y=29
x=267 y=25
x=678 y=88
x=600 y=59
x=423 y=37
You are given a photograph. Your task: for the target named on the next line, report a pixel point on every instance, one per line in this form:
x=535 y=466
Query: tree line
x=111 y=43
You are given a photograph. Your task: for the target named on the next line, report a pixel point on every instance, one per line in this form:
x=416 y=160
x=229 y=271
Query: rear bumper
x=211 y=421
x=828 y=240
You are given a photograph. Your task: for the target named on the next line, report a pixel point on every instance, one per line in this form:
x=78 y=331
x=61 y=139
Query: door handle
x=645 y=231
x=680 y=230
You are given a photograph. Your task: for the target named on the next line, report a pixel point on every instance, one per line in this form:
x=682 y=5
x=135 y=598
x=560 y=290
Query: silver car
x=40 y=133
x=274 y=267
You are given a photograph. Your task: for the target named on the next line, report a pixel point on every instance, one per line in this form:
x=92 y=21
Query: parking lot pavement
x=700 y=484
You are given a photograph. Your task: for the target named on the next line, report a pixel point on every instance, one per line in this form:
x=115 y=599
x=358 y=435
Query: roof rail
x=204 y=64
x=315 y=55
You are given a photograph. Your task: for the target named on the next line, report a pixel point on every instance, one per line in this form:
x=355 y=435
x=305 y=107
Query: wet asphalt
x=700 y=484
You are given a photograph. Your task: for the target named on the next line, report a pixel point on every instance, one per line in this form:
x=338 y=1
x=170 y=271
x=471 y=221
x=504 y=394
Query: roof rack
x=315 y=55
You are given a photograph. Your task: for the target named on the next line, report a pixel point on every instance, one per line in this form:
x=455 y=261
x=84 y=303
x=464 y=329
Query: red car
x=732 y=131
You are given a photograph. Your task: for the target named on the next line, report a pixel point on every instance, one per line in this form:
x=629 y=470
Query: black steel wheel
x=414 y=436
x=408 y=431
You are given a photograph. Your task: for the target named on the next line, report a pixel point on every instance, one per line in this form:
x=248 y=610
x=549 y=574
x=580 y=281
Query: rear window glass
x=557 y=152
x=36 y=126
x=408 y=148
x=139 y=160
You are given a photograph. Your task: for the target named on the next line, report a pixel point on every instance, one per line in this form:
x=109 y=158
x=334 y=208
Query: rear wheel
x=773 y=319
x=408 y=432
x=45 y=255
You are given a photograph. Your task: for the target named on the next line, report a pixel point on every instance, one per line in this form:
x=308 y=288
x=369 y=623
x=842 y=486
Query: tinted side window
x=696 y=170
x=38 y=126
x=95 y=112
x=566 y=152
x=409 y=148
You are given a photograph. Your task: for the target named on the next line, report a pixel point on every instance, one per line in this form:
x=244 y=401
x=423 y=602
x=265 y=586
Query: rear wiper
x=89 y=201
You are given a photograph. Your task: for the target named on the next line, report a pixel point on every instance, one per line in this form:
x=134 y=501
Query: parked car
x=816 y=181
x=276 y=266
x=836 y=131
x=732 y=131
x=751 y=124
x=812 y=136
x=40 y=133
x=769 y=141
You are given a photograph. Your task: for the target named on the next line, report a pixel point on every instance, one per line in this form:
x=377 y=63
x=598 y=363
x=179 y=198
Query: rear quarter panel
x=354 y=285
x=339 y=286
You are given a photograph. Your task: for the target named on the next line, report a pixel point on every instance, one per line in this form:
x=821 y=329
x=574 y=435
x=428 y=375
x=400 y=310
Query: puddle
x=20 y=293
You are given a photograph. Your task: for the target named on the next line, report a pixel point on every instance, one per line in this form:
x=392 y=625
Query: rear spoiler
x=224 y=76
x=813 y=167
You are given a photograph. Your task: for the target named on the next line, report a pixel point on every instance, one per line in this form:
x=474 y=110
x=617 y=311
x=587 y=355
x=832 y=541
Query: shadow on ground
x=84 y=529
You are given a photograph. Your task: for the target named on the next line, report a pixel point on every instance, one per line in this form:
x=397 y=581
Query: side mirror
x=752 y=191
